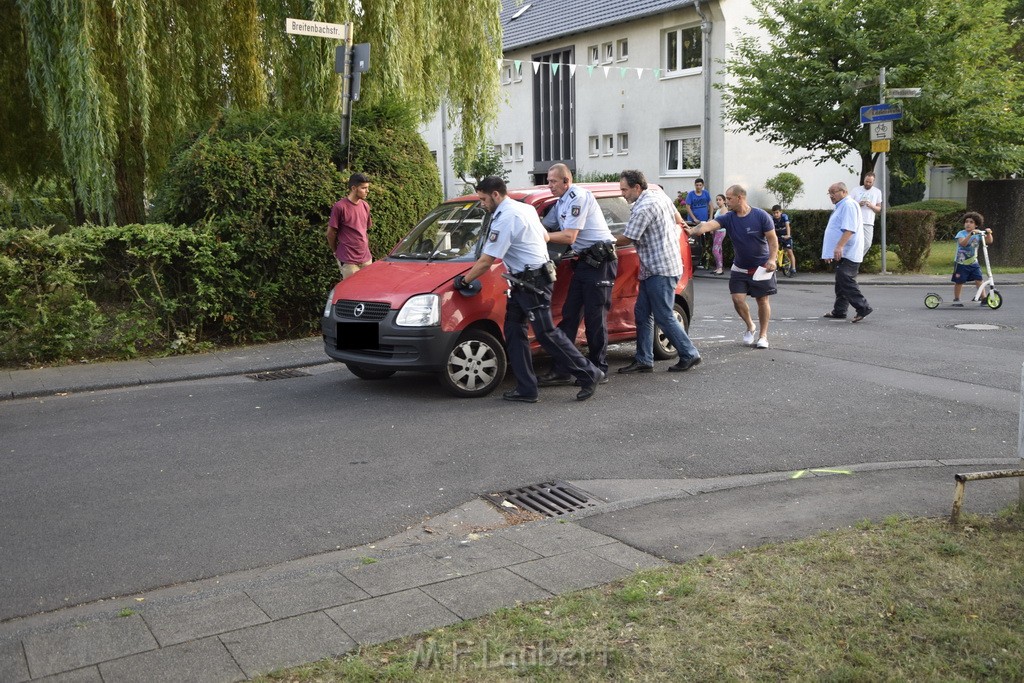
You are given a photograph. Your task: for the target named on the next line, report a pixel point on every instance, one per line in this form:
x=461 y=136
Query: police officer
x=582 y=226
x=517 y=237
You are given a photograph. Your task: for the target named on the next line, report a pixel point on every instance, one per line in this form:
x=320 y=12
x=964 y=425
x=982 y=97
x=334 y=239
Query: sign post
x=342 y=61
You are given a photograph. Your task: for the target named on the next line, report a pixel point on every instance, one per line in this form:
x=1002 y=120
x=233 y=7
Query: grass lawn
x=909 y=600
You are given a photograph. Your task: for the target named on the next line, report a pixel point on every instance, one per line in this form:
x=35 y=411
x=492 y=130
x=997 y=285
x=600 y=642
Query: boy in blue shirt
x=966 y=268
x=784 y=232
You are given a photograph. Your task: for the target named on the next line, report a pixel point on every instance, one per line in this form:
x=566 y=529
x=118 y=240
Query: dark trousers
x=589 y=297
x=524 y=308
x=847 y=290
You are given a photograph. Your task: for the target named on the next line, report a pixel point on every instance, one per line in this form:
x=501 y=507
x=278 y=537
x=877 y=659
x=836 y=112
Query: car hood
x=396 y=281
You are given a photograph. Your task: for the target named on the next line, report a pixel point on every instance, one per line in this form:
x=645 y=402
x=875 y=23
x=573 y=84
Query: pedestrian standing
x=718 y=236
x=516 y=236
x=698 y=203
x=581 y=225
x=755 y=247
x=842 y=244
x=869 y=198
x=348 y=226
x=653 y=229
x=965 y=263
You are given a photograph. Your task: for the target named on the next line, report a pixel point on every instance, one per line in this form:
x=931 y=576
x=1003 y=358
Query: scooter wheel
x=994 y=300
x=932 y=300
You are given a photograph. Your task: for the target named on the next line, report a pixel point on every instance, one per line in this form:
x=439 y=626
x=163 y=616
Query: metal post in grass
x=1020 y=441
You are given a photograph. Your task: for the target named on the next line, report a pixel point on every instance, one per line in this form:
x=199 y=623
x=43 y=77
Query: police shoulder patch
x=493 y=237
x=572 y=194
x=575 y=211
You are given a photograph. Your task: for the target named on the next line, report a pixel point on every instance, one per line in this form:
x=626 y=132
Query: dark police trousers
x=590 y=297
x=847 y=290
x=528 y=307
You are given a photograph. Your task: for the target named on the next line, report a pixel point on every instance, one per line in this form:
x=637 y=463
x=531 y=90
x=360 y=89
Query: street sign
x=880 y=112
x=880 y=131
x=879 y=146
x=898 y=93
x=318 y=29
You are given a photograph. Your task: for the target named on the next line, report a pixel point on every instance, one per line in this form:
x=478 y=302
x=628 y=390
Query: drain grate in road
x=278 y=374
x=551 y=499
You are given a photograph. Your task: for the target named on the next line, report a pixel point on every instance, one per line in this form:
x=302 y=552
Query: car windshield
x=450 y=232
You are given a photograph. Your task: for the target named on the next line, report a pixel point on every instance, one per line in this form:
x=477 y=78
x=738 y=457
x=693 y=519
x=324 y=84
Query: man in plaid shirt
x=654 y=230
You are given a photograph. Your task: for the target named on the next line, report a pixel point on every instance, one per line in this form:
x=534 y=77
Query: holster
x=598 y=253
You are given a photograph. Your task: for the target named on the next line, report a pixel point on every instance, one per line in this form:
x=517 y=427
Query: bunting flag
x=518 y=66
x=536 y=67
x=572 y=70
x=622 y=72
x=639 y=72
x=554 y=68
x=606 y=70
x=590 y=69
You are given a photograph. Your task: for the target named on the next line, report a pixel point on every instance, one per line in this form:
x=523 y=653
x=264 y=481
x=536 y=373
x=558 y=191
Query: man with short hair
x=653 y=229
x=755 y=247
x=516 y=236
x=579 y=223
x=869 y=198
x=347 y=228
x=842 y=244
x=697 y=202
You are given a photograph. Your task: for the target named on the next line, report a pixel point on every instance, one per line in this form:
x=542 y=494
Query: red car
x=402 y=313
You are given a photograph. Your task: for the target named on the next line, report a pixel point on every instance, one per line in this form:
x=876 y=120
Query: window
x=608 y=50
x=519 y=151
x=506 y=74
x=623 y=50
x=506 y=153
x=683 y=49
x=609 y=144
x=595 y=145
x=594 y=53
x=623 y=143
x=682 y=153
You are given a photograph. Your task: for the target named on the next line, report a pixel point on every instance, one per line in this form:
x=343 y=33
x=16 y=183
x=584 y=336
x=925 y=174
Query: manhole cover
x=278 y=374
x=551 y=499
x=977 y=327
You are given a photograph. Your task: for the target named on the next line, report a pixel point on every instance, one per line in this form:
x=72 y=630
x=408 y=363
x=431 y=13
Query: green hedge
x=949 y=215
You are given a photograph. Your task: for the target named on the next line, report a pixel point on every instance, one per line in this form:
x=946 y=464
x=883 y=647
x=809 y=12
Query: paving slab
x=89 y=675
x=197 y=661
x=393 y=616
x=13 y=667
x=400 y=573
x=204 y=617
x=555 y=538
x=306 y=594
x=570 y=571
x=480 y=594
x=472 y=557
x=80 y=645
x=287 y=642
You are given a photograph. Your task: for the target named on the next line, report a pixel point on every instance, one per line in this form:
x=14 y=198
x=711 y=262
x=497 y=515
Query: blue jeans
x=654 y=305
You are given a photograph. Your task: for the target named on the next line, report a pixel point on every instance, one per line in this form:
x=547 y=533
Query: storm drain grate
x=551 y=499
x=278 y=374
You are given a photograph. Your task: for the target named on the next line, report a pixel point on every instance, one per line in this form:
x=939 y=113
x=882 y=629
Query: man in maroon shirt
x=346 y=231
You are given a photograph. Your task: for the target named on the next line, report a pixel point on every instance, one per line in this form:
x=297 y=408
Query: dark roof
x=550 y=19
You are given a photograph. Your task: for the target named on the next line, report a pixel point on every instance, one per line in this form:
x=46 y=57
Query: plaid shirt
x=652 y=227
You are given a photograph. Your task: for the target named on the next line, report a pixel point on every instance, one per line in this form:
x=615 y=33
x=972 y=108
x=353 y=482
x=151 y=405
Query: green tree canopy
x=116 y=82
x=801 y=83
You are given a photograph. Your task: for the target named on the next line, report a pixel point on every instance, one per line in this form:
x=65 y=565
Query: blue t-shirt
x=967 y=255
x=699 y=204
x=749 y=244
x=780 y=224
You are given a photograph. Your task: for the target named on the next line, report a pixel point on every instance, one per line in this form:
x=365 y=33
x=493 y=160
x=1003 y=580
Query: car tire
x=363 y=372
x=663 y=349
x=475 y=365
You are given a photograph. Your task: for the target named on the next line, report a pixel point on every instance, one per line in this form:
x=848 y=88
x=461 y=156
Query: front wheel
x=363 y=372
x=475 y=365
x=663 y=348
x=994 y=300
x=932 y=300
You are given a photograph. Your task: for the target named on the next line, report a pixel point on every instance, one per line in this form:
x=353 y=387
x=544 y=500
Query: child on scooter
x=966 y=268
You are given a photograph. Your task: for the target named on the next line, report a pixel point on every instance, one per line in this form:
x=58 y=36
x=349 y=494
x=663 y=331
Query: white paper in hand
x=762 y=274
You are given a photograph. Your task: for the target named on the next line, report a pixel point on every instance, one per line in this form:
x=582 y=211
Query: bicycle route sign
x=873 y=113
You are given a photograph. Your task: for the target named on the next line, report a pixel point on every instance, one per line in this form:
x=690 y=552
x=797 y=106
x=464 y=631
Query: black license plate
x=358 y=336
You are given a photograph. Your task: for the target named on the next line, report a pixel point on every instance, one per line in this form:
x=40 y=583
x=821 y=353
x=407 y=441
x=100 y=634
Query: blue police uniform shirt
x=516 y=236
x=577 y=209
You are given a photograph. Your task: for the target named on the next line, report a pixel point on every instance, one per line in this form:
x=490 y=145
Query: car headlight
x=330 y=302
x=423 y=310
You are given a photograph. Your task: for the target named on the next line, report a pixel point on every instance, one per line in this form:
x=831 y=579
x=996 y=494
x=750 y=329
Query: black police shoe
x=553 y=379
x=684 y=365
x=603 y=380
x=636 y=367
x=514 y=395
x=586 y=392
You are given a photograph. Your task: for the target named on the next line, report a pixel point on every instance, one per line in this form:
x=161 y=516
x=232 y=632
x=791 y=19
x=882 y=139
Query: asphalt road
x=110 y=493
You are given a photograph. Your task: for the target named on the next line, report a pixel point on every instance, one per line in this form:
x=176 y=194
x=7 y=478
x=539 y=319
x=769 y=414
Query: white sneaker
x=762 y=343
x=748 y=337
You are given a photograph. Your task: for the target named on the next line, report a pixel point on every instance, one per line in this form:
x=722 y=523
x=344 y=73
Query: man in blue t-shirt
x=697 y=202
x=755 y=248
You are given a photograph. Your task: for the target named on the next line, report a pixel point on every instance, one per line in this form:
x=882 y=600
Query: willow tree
x=118 y=81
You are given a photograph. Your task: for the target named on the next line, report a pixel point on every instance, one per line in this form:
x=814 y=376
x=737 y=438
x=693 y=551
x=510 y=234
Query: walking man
x=869 y=198
x=842 y=244
x=653 y=229
x=755 y=247
x=346 y=230
x=580 y=224
x=516 y=237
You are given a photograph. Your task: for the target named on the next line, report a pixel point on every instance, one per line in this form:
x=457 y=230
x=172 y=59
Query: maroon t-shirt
x=352 y=221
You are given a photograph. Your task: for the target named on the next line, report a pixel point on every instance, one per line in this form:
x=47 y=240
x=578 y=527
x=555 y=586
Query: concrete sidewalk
x=237 y=626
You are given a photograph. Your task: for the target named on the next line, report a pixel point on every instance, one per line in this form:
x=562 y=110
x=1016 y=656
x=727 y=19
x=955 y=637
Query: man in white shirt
x=870 y=199
x=842 y=245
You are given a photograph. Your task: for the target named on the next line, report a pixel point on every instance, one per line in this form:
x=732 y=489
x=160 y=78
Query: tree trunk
x=1001 y=202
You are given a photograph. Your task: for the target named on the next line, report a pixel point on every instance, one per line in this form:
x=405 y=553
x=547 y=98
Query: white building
x=605 y=85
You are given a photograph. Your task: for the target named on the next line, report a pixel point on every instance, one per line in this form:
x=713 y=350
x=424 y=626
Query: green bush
x=948 y=215
x=912 y=232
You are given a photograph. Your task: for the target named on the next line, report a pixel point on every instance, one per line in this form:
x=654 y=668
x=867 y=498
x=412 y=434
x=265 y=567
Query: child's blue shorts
x=971 y=273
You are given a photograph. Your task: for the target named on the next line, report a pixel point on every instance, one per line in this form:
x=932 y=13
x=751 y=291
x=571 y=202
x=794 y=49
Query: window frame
x=678 y=54
x=678 y=137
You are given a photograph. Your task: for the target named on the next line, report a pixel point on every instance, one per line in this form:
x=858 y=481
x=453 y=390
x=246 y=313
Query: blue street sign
x=874 y=113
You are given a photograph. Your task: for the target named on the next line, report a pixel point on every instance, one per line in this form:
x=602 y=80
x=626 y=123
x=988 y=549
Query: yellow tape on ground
x=797 y=475
x=824 y=469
